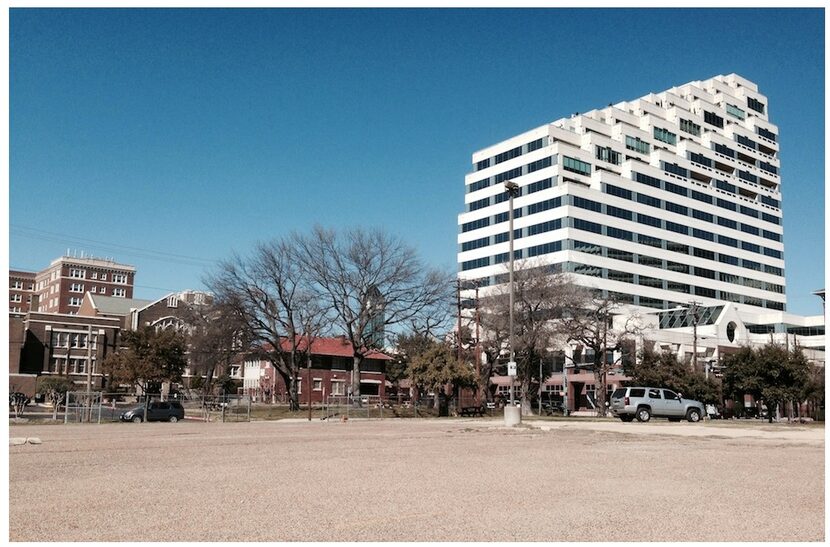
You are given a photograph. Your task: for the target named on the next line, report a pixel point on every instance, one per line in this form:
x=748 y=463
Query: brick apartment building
x=21 y=290
x=60 y=288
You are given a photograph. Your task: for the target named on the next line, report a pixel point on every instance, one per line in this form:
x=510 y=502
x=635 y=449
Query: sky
x=169 y=139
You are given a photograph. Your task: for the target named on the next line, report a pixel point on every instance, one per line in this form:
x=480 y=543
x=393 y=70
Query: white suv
x=642 y=403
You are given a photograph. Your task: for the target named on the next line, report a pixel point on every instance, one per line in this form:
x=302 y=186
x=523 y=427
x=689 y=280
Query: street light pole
x=511 y=188
x=478 y=356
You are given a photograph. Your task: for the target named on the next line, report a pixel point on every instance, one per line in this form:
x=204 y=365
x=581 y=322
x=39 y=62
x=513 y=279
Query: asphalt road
x=417 y=480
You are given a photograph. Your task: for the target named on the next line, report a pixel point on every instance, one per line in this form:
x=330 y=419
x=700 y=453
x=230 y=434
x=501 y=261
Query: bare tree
x=592 y=326
x=270 y=298
x=215 y=336
x=541 y=296
x=370 y=281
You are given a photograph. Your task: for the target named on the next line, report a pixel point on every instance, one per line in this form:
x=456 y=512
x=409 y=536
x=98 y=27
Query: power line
x=149 y=254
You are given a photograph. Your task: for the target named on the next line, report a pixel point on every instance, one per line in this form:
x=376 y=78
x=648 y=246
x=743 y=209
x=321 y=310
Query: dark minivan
x=158 y=411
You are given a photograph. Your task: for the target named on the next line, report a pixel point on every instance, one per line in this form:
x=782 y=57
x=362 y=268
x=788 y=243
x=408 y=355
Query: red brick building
x=21 y=290
x=51 y=344
x=330 y=374
x=61 y=287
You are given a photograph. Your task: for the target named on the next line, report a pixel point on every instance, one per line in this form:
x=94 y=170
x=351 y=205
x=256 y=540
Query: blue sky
x=168 y=139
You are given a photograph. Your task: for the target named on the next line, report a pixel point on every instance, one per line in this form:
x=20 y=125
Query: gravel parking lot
x=417 y=480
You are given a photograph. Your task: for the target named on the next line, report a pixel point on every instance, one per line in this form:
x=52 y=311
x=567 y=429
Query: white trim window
x=17 y=285
x=103 y=290
x=119 y=278
x=57 y=365
x=94 y=275
x=75 y=302
x=76 y=287
x=338 y=387
x=316 y=384
x=120 y=293
x=15 y=298
x=76 y=273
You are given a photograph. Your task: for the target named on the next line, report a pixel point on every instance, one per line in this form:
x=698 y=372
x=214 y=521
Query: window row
x=71 y=340
x=705 y=198
x=512 y=153
x=678 y=267
x=512 y=173
x=658 y=243
x=630 y=298
x=75 y=365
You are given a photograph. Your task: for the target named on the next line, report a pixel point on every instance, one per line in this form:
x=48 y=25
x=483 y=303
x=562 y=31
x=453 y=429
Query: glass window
x=605 y=153
x=648 y=200
x=668 y=394
x=586 y=225
x=703 y=234
x=617 y=212
x=690 y=127
x=665 y=135
x=733 y=110
x=510 y=154
x=617 y=191
x=654 y=394
x=712 y=119
x=587 y=204
x=755 y=104
x=576 y=166
x=634 y=143
x=649 y=220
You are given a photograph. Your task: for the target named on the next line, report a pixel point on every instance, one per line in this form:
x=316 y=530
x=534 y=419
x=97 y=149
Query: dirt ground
x=417 y=480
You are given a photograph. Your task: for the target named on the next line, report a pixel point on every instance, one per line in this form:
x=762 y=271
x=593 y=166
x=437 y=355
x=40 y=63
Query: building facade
x=59 y=344
x=670 y=203
x=671 y=197
x=60 y=288
x=332 y=362
x=21 y=290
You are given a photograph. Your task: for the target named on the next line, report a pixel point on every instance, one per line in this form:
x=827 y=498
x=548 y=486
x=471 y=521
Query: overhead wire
x=138 y=252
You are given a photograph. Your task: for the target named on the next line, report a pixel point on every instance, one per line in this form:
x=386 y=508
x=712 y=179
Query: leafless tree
x=541 y=297
x=269 y=296
x=370 y=281
x=591 y=325
x=215 y=334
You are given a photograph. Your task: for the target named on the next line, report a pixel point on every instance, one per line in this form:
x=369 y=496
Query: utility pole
x=89 y=372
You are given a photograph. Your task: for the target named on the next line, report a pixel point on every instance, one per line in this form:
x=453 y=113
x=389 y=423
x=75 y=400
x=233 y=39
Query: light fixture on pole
x=511 y=417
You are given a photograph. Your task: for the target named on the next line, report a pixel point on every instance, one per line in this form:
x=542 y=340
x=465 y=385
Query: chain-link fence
x=98 y=407
x=82 y=407
x=222 y=408
x=343 y=408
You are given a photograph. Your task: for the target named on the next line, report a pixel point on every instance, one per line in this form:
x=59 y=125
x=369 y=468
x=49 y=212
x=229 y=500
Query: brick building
x=51 y=343
x=21 y=290
x=61 y=287
x=330 y=374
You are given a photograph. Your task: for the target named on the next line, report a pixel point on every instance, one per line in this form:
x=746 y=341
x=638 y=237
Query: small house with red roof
x=332 y=360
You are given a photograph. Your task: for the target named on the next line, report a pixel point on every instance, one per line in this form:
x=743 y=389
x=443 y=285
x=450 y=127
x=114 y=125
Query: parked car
x=157 y=411
x=642 y=403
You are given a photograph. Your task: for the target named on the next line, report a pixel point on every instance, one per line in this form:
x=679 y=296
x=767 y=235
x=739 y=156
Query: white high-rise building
x=670 y=203
x=669 y=198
